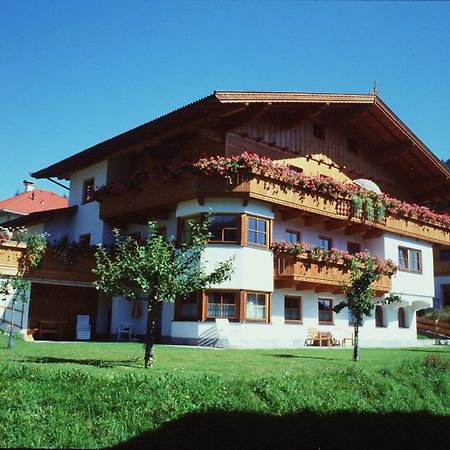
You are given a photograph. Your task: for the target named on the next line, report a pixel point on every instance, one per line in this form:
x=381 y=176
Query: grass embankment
x=97 y=394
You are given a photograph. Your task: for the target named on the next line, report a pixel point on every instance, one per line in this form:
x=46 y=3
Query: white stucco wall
x=416 y=289
x=87 y=218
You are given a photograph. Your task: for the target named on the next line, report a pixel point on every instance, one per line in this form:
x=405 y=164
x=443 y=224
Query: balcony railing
x=74 y=266
x=154 y=197
x=304 y=274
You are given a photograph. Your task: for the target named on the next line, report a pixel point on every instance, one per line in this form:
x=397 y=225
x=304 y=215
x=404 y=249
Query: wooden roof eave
x=422 y=150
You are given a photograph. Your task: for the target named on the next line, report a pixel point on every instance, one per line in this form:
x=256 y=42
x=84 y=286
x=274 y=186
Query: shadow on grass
x=288 y=356
x=101 y=363
x=305 y=430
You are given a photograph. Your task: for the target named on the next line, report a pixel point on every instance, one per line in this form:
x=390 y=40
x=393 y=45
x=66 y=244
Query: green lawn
x=92 y=395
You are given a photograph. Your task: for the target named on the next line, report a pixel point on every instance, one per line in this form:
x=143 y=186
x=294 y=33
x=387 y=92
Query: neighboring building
x=30 y=201
x=271 y=300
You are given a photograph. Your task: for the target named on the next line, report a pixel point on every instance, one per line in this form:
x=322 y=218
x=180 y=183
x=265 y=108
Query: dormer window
x=88 y=191
x=319 y=131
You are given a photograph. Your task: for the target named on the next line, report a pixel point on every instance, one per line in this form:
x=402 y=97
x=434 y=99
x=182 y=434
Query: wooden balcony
x=306 y=275
x=73 y=266
x=155 y=198
x=10 y=254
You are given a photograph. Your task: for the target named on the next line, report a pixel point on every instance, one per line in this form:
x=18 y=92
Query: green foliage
x=359 y=295
x=369 y=209
x=156 y=269
x=442 y=314
x=16 y=287
x=380 y=211
x=357 y=203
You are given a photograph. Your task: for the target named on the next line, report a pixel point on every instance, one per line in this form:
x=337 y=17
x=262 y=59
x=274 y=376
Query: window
x=325 y=311
x=85 y=240
x=409 y=259
x=292 y=309
x=88 y=191
x=324 y=242
x=445 y=255
x=256 y=308
x=292 y=237
x=224 y=228
x=187 y=308
x=319 y=131
x=186 y=229
x=353 y=248
x=257 y=231
x=379 y=316
x=401 y=317
x=221 y=305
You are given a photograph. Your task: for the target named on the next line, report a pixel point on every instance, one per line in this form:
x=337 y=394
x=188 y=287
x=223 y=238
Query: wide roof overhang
x=364 y=116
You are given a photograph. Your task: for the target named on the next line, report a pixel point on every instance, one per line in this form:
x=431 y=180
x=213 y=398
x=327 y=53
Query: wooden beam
x=351 y=117
x=355 y=229
x=373 y=233
x=335 y=225
x=290 y=215
x=308 y=113
x=252 y=112
x=323 y=288
x=304 y=286
x=314 y=220
x=284 y=284
x=387 y=154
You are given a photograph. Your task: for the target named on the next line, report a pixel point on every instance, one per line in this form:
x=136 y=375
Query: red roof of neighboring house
x=33 y=201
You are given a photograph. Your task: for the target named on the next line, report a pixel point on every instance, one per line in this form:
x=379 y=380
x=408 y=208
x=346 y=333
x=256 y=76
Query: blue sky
x=73 y=73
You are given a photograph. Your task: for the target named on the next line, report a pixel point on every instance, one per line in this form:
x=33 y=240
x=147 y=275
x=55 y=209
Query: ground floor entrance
x=54 y=308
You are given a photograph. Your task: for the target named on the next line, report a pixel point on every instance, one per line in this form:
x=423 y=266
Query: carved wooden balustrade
x=154 y=198
x=304 y=274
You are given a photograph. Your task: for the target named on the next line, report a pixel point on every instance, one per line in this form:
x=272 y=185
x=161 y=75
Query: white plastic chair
x=124 y=328
x=83 y=328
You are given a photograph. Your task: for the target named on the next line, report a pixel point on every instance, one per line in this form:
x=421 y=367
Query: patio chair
x=311 y=336
x=124 y=328
x=345 y=339
x=83 y=331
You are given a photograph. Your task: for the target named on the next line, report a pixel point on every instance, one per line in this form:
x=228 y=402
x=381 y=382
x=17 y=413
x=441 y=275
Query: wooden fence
x=433 y=326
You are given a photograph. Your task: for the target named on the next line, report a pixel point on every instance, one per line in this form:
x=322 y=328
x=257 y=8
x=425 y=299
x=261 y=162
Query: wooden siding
x=154 y=197
x=264 y=136
x=304 y=275
x=10 y=254
x=63 y=303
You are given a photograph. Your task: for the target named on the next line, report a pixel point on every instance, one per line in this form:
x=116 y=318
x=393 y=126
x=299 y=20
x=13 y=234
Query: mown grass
x=93 y=395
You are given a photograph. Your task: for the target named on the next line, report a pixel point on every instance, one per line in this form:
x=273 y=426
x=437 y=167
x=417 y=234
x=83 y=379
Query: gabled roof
x=366 y=115
x=40 y=217
x=33 y=201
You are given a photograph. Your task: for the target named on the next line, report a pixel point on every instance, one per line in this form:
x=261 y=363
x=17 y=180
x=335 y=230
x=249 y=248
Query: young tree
x=15 y=288
x=157 y=271
x=359 y=294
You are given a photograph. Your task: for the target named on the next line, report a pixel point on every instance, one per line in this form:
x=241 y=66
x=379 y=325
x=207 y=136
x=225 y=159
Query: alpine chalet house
x=296 y=183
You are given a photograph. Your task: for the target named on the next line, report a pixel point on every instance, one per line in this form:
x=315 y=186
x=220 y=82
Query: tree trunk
x=11 y=330
x=150 y=336
x=356 y=343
